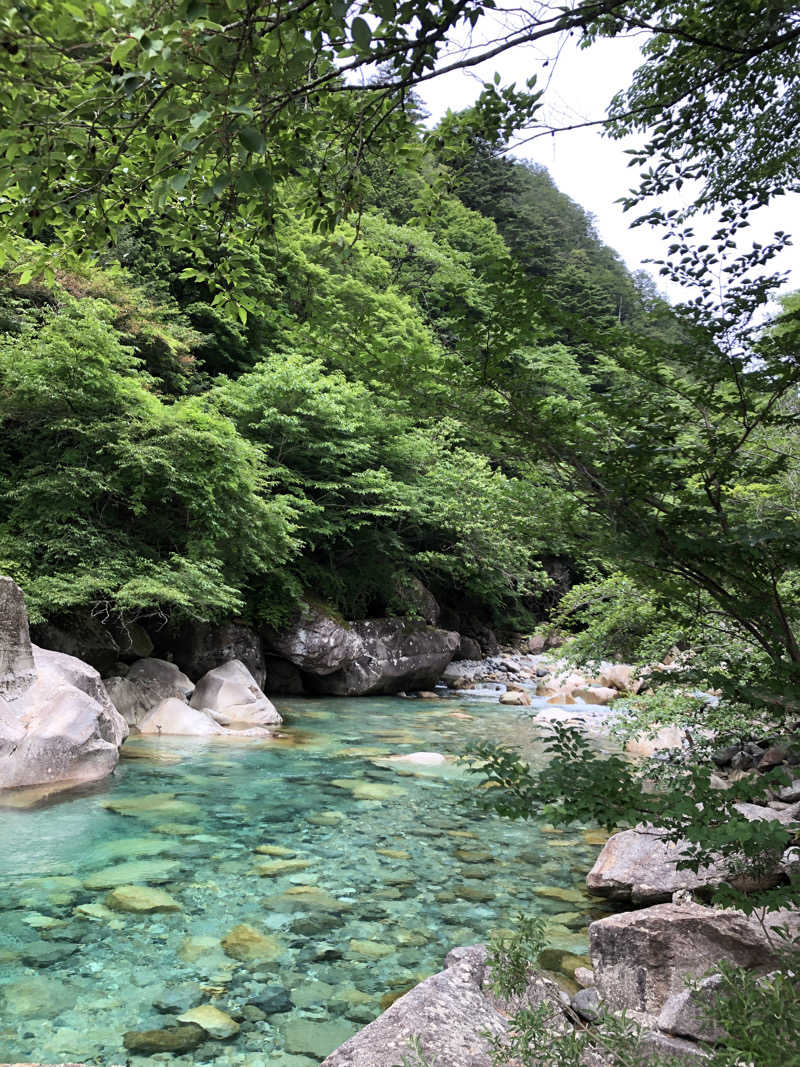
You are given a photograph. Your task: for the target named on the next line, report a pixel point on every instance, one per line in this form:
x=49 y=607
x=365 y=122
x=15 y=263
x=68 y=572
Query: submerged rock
x=127 y=874
x=217 y=1024
x=247 y=944
x=182 y=1038
x=141 y=899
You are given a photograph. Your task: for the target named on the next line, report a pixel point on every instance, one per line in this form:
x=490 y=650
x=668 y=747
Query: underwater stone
x=272 y=1000
x=141 y=898
x=245 y=943
x=131 y=873
x=217 y=1024
x=182 y=1038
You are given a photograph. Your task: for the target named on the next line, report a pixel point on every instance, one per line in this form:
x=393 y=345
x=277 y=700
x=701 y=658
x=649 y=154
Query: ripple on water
x=311 y=886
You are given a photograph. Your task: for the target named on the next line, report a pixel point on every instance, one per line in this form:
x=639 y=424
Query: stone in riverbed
x=46 y=953
x=248 y=945
x=141 y=899
x=217 y=1024
x=153 y=805
x=370 y=950
x=179 y=998
x=231 y=695
x=313 y=1038
x=148 y=870
x=182 y=1038
x=276 y=850
x=272 y=1000
x=642 y=958
x=277 y=868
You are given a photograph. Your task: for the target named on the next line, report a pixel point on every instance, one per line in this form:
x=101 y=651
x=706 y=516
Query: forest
x=268 y=337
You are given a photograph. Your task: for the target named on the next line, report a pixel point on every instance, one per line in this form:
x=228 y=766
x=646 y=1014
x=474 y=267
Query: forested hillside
x=351 y=432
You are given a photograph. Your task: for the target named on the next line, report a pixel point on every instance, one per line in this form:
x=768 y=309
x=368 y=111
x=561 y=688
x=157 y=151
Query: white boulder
x=231 y=695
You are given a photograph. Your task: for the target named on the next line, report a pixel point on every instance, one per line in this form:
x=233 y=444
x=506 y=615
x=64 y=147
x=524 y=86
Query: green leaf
x=197 y=120
x=362 y=34
x=384 y=9
x=253 y=140
x=122 y=49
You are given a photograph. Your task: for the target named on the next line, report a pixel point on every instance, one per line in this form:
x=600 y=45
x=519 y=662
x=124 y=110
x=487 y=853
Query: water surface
x=387 y=870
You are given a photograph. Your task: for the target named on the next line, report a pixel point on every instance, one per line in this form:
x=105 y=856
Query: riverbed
x=354 y=876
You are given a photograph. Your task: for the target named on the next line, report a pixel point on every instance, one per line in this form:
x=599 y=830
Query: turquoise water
x=377 y=870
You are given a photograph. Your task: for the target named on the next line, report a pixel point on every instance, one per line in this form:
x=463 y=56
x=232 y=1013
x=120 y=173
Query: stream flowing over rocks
x=61 y=724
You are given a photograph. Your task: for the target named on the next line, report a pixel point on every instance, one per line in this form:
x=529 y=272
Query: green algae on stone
x=569 y=896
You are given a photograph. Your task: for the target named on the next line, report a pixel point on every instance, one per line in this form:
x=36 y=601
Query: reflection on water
x=314 y=881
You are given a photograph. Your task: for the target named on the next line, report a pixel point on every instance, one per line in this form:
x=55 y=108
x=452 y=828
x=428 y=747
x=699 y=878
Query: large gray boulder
x=642 y=958
x=449 y=1016
x=147 y=684
x=17 y=669
x=315 y=642
x=199 y=647
x=57 y=723
x=641 y=866
x=231 y=695
x=395 y=655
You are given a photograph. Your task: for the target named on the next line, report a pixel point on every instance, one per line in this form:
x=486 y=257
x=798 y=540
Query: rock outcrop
x=231 y=695
x=315 y=642
x=57 y=723
x=448 y=1016
x=640 y=866
x=393 y=655
x=17 y=669
x=200 y=647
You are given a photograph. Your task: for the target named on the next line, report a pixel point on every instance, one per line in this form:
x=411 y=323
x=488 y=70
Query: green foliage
x=111 y=496
x=578 y=784
x=615 y=619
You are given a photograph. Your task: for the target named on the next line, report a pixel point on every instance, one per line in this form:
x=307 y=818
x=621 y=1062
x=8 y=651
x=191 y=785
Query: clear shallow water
x=398 y=872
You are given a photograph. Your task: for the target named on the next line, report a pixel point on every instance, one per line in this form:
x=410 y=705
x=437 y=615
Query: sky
x=592 y=169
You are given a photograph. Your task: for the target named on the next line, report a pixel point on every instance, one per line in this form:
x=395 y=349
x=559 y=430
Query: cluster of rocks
x=763 y=756
x=62 y=724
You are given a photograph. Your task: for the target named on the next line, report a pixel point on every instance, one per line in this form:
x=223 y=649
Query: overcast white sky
x=588 y=167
